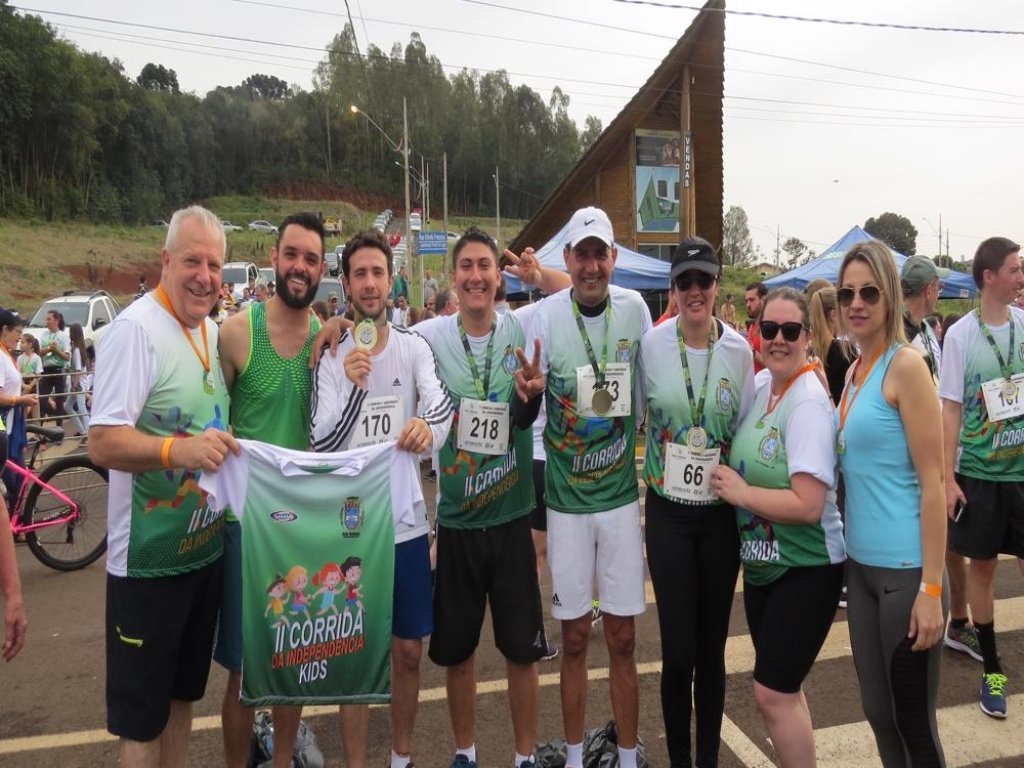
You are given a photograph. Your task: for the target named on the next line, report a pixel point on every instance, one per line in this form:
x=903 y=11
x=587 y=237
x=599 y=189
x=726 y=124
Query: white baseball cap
x=589 y=222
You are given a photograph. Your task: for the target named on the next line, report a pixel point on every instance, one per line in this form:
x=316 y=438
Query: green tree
x=265 y=86
x=737 y=246
x=795 y=249
x=895 y=231
x=156 y=77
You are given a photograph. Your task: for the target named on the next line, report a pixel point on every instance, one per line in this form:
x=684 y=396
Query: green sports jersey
x=270 y=396
x=591 y=465
x=159 y=523
x=988 y=450
x=730 y=384
x=317 y=568
x=759 y=453
x=478 y=490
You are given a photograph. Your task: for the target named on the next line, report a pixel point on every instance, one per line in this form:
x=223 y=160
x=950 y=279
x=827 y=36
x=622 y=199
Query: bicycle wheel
x=67 y=544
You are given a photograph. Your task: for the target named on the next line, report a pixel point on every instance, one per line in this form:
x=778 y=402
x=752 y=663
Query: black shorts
x=789 y=620
x=539 y=516
x=992 y=523
x=159 y=643
x=474 y=567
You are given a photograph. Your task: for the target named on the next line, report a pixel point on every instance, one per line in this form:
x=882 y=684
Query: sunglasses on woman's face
x=790 y=331
x=869 y=294
x=685 y=281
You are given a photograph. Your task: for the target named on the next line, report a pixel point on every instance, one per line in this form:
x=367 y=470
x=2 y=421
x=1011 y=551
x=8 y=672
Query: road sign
x=433 y=242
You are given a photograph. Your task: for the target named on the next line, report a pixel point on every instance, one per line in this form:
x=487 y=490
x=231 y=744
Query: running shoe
x=595 y=613
x=993 y=695
x=461 y=761
x=964 y=640
x=528 y=764
x=550 y=652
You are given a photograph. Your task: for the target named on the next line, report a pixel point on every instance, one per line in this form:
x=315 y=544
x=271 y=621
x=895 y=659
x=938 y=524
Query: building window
x=657 y=250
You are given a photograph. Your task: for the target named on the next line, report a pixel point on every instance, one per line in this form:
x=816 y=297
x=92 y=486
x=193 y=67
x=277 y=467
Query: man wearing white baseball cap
x=591 y=493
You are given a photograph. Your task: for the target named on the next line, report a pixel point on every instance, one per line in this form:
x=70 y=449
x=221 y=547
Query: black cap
x=695 y=253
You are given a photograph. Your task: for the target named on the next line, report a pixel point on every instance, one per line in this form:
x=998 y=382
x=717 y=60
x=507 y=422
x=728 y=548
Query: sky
x=826 y=125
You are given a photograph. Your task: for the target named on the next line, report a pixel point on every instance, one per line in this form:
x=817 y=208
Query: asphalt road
x=54 y=714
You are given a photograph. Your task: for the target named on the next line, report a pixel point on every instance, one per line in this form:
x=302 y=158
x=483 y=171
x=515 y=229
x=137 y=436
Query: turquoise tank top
x=883 y=498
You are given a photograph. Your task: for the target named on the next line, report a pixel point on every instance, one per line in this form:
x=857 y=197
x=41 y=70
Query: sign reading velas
x=433 y=242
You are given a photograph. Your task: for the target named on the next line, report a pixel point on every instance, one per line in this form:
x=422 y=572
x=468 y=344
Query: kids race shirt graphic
x=590 y=457
x=318 y=549
x=990 y=448
x=479 y=489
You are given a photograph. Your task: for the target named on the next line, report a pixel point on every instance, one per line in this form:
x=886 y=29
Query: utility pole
x=497 y=207
x=327 y=130
x=408 y=210
x=778 y=243
x=445 y=160
x=940 y=234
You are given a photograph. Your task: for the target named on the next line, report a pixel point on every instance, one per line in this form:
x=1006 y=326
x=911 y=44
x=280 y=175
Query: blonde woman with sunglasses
x=781 y=476
x=889 y=441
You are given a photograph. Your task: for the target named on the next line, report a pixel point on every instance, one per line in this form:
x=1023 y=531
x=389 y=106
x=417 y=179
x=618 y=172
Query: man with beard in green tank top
x=265 y=353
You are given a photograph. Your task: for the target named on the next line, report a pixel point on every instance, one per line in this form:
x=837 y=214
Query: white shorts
x=602 y=546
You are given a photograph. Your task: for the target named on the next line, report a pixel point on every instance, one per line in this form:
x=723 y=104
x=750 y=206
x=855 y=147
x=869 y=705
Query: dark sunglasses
x=790 y=331
x=870 y=294
x=685 y=281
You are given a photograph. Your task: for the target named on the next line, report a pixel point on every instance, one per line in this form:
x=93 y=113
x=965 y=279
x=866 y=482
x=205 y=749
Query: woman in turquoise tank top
x=781 y=477
x=890 y=448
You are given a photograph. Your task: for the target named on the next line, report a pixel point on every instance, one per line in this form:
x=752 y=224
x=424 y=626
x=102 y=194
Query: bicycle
x=62 y=510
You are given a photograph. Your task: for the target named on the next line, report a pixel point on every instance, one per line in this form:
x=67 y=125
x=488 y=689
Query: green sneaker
x=993 y=695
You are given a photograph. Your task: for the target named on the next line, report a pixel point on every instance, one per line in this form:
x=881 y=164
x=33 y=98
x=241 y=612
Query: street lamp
x=937 y=231
x=403 y=149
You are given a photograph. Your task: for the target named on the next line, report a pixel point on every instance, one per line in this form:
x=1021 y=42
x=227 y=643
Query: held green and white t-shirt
x=590 y=458
x=988 y=450
x=730 y=390
x=149 y=377
x=479 y=490
x=798 y=436
x=317 y=567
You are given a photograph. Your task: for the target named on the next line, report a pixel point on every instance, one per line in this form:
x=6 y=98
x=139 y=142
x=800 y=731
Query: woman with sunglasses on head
x=781 y=477
x=698 y=378
x=889 y=441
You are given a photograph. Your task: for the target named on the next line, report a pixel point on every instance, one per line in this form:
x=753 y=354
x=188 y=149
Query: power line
x=816 y=20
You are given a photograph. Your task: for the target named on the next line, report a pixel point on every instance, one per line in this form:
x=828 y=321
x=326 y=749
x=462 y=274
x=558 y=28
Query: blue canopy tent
x=957 y=285
x=632 y=270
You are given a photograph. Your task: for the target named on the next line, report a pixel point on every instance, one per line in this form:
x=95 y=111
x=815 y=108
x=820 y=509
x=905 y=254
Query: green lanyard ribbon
x=599 y=369
x=696 y=408
x=482 y=387
x=1005 y=367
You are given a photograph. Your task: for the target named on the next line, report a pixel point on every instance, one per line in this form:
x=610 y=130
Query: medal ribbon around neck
x=844 y=409
x=599 y=368
x=1005 y=367
x=482 y=387
x=771 y=406
x=204 y=357
x=696 y=408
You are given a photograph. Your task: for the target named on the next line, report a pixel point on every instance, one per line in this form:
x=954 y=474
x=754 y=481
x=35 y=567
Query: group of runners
x=741 y=468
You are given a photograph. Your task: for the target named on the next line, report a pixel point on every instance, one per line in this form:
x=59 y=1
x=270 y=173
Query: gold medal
x=601 y=402
x=208 y=383
x=841 y=442
x=697 y=439
x=365 y=334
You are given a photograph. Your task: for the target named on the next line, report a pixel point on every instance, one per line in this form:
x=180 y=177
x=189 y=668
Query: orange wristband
x=165 y=452
x=934 y=590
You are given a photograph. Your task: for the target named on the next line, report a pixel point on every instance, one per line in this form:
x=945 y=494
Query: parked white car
x=229 y=227
x=264 y=226
x=93 y=310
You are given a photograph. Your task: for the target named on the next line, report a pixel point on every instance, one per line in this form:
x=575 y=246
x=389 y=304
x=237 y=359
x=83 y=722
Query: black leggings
x=53 y=383
x=899 y=687
x=693 y=557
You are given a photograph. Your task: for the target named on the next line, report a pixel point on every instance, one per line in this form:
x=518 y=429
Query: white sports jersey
x=345 y=416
